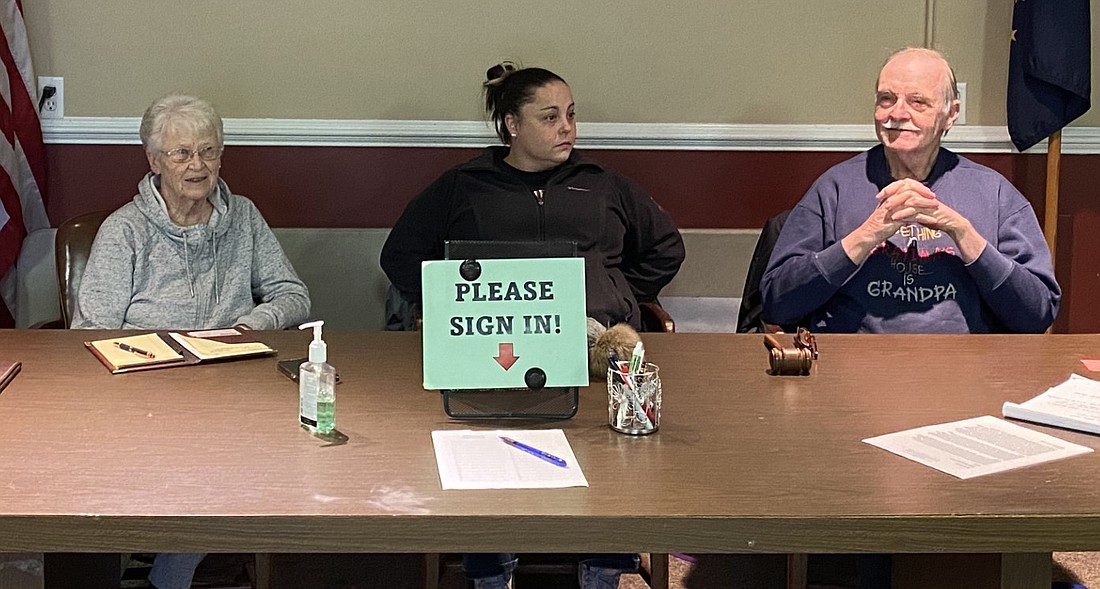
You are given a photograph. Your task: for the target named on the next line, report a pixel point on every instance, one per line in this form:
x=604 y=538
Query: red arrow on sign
x=505 y=357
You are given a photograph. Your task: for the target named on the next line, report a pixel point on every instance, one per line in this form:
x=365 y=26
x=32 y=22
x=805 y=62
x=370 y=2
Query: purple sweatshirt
x=914 y=282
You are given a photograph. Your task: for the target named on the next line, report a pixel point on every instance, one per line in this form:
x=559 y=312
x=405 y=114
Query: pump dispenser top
x=318 y=351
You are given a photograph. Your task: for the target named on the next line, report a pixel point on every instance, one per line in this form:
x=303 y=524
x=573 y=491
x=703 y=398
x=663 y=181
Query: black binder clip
x=797 y=360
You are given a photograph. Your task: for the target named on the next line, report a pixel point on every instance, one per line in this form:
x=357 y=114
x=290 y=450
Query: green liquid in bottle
x=326 y=416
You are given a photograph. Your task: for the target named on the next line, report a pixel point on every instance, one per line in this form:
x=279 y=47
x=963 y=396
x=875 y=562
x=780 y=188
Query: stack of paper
x=1074 y=404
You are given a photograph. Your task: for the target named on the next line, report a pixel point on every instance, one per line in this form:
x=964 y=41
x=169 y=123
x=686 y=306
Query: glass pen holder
x=634 y=400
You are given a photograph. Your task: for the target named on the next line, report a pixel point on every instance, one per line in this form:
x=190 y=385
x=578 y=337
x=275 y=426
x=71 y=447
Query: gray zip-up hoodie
x=146 y=272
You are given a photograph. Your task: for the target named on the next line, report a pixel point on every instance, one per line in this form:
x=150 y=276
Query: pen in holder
x=634 y=399
x=797 y=360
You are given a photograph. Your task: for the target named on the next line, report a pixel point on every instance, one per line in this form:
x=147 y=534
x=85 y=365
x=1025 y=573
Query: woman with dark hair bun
x=537 y=187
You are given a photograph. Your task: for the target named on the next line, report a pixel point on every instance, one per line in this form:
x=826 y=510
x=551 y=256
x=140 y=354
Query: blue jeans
x=174 y=570
x=481 y=565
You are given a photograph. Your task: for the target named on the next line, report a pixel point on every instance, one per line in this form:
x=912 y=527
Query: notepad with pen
x=149 y=351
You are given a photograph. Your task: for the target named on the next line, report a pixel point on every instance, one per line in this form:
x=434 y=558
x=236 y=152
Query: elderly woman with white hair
x=186 y=253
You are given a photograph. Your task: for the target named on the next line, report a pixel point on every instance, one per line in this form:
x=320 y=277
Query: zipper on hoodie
x=539 y=198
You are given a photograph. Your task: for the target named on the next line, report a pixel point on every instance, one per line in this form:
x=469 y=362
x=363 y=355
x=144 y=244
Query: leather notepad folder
x=149 y=351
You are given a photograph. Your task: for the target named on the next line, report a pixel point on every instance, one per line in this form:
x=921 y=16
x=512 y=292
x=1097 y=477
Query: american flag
x=22 y=154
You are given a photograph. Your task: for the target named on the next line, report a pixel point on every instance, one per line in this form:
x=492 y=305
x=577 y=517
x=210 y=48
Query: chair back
x=655 y=319
x=72 y=245
x=750 y=317
x=401 y=313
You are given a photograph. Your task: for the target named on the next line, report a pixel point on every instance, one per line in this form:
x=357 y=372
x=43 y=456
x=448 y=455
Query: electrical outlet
x=54 y=106
x=962 y=104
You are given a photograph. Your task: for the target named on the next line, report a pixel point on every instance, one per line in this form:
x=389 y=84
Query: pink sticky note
x=1092 y=364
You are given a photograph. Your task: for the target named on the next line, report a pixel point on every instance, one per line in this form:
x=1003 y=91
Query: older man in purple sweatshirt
x=909 y=237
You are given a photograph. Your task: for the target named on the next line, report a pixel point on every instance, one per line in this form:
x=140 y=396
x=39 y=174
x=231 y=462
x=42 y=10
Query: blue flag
x=1048 y=68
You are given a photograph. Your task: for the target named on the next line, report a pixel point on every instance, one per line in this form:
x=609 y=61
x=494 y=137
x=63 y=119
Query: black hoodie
x=630 y=245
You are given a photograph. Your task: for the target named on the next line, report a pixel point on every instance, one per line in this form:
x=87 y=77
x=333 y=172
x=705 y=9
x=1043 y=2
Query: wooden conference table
x=210 y=458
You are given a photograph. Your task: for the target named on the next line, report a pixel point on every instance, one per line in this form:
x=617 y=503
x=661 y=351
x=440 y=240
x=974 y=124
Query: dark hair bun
x=499 y=72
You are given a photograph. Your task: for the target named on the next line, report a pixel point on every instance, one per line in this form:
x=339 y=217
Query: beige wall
x=720 y=61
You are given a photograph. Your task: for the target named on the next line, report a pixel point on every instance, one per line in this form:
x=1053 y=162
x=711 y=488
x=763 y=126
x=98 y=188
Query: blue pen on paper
x=534 y=452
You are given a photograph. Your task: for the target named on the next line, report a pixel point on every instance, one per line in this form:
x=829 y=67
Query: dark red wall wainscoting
x=368 y=187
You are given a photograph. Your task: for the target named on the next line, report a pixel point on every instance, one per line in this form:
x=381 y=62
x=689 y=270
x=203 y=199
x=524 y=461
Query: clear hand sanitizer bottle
x=317 y=386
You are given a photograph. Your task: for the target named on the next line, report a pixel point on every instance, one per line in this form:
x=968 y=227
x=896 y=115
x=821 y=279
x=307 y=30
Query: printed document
x=469 y=459
x=976 y=447
x=1074 y=404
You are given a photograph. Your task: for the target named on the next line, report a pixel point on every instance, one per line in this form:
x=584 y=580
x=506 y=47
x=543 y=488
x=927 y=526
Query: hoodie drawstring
x=214 y=248
x=187 y=263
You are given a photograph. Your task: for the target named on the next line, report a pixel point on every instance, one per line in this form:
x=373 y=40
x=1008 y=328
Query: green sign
x=504 y=323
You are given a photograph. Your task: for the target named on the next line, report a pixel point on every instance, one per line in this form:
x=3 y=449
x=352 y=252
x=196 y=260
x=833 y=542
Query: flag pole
x=1050 y=217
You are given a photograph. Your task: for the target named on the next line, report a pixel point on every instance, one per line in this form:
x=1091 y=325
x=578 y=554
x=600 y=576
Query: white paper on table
x=1074 y=404
x=469 y=459
x=975 y=447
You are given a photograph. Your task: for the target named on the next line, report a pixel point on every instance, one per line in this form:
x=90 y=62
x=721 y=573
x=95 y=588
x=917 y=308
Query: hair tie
x=500 y=72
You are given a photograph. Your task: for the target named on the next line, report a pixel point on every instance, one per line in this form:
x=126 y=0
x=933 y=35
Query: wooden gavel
x=797 y=360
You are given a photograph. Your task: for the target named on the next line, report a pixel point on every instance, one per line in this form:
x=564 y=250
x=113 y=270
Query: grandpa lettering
x=911 y=294
x=530 y=290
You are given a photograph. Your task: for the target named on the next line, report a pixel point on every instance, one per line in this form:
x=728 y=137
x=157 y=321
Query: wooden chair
x=655 y=319
x=798 y=570
x=72 y=245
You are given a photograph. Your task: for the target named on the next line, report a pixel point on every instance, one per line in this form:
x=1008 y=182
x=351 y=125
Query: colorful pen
x=534 y=452
x=133 y=350
x=617 y=366
x=636 y=359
